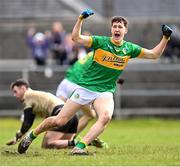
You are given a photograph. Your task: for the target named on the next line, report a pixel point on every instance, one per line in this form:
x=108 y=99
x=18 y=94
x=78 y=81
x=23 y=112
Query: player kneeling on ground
x=43 y=104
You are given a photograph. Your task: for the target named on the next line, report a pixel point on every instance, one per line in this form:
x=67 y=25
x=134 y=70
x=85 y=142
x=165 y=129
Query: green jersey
x=99 y=70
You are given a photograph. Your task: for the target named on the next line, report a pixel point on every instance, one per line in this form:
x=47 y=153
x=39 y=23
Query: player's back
x=41 y=102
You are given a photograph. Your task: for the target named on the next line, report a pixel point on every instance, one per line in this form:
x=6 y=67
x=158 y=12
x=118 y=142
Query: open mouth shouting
x=117 y=35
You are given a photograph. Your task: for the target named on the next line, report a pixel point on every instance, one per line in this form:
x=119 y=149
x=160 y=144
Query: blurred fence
x=150 y=88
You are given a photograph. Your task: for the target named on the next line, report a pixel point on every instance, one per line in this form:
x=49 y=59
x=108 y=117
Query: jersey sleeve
x=136 y=51
x=96 y=41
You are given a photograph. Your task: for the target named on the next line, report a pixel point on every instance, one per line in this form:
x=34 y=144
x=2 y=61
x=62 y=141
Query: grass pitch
x=131 y=142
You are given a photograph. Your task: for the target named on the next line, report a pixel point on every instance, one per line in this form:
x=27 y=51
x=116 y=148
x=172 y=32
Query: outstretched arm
x=157 y=51
x=76 y=33
x=28 y=120
x=27 y=123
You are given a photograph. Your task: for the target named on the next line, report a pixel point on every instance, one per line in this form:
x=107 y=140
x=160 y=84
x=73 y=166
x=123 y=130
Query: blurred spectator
x=39 y=46
x=57 y=43
x=72 y=50
x=172 y=52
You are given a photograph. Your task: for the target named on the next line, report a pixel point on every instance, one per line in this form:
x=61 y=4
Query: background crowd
x=55 y=44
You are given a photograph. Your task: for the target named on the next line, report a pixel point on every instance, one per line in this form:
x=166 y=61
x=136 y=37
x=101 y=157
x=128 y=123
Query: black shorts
x=70 y=127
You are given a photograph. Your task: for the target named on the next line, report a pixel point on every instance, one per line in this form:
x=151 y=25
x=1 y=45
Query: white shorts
x=84 y=96
x=66 y=88
x=78 y=94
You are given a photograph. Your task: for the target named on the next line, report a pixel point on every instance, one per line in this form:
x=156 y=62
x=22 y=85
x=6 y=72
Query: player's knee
x=61 y=121
x=104 y=118
x=45 y=145
x=51 y=121
x=48 y=145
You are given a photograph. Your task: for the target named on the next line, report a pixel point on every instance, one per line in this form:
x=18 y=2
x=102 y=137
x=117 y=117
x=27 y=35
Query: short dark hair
x=120 y=19
x=19 y=82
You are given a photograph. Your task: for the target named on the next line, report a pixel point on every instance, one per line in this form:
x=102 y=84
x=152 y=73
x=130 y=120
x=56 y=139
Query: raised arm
x=157 y=51
x=76 y=33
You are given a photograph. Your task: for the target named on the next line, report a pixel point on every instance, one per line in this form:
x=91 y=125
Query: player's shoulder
x=28 y=93
x=97 y=37
x=100 y=40
x=129 y=44
x=33 y=93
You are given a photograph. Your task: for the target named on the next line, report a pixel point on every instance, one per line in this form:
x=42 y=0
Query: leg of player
x=58 y=140
x=67 y=112
x=88 y=115
x=63 y=98
x=104 y=107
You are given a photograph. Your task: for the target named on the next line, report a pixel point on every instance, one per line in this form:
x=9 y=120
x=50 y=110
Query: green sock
x=81 y=145
x=32 y=135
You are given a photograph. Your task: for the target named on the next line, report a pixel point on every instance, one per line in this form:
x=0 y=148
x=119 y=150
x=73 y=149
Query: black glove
x=167 y=31
x=86 y=13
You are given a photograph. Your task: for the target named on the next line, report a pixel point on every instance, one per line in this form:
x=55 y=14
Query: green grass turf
x=131 y=142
